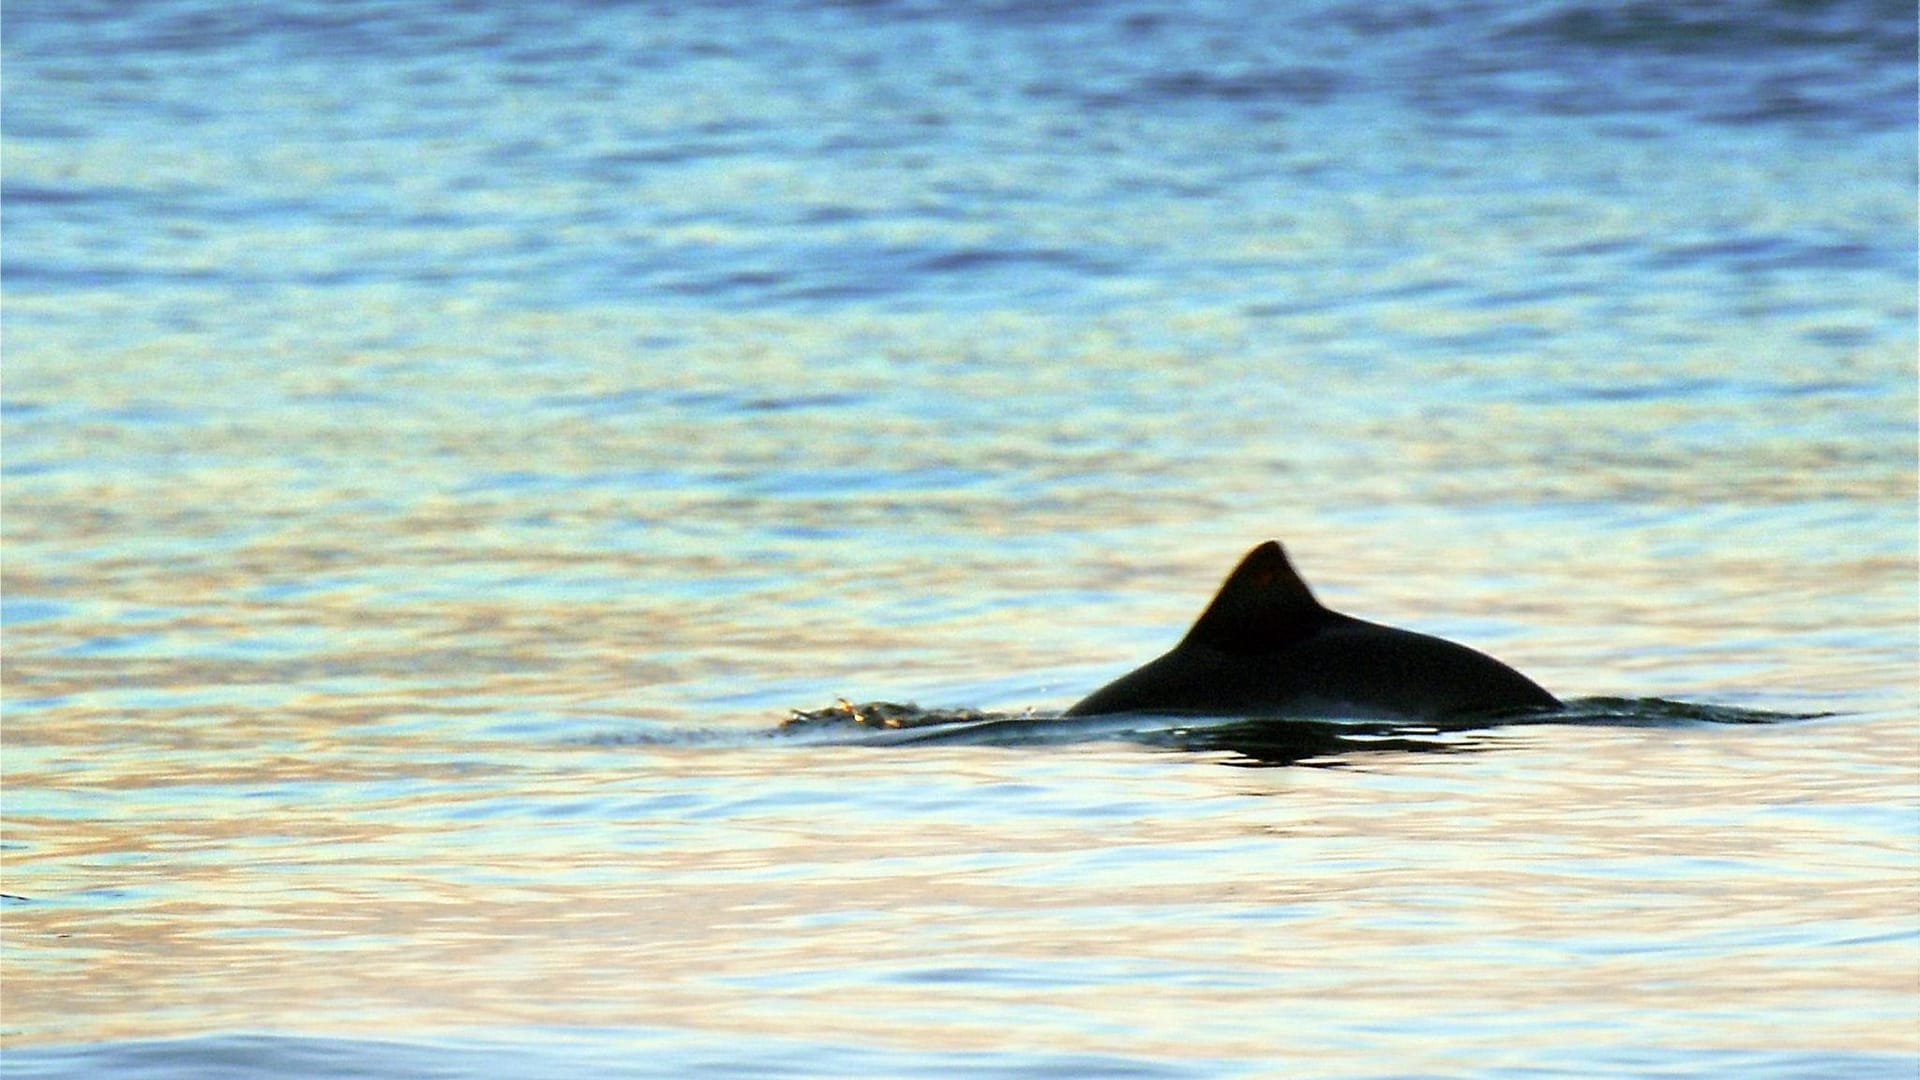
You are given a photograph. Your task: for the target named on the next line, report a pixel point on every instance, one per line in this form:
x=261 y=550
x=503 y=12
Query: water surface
x=442 y=444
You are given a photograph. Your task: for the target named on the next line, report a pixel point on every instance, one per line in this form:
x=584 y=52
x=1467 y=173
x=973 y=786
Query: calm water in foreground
x=443 y=443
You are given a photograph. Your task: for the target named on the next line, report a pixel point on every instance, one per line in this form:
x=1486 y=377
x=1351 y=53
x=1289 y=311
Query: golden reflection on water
x=1686 y=886
x=301 y=701
x=281 y=756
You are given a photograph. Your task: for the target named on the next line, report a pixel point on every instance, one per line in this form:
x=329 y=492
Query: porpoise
x=1266 y=647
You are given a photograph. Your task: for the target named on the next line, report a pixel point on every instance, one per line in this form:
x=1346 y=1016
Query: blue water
x=444 y=442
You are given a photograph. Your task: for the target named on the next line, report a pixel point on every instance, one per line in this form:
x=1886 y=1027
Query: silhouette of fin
x=1262 y=604
x=1265 y=646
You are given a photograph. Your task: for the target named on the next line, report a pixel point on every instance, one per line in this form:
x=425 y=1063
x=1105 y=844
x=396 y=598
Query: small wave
x=1717 y=30
x=1324 y=741
x=1294 y=85
x=1661 y=712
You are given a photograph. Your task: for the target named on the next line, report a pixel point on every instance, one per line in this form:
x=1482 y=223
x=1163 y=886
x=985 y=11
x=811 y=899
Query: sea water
x=443 y=442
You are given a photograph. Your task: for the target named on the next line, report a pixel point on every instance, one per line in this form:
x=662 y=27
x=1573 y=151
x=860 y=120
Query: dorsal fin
x=1262 y=604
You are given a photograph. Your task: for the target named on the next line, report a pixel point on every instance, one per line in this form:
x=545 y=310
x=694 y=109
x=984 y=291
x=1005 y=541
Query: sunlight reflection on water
x=549 y=891
x=440 y=447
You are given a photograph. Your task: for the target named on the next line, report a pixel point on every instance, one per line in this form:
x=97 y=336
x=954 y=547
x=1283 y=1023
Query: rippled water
x=443 y=442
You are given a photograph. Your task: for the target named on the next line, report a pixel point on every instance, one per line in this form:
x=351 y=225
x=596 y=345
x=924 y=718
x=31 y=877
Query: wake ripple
x=1256 y=740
